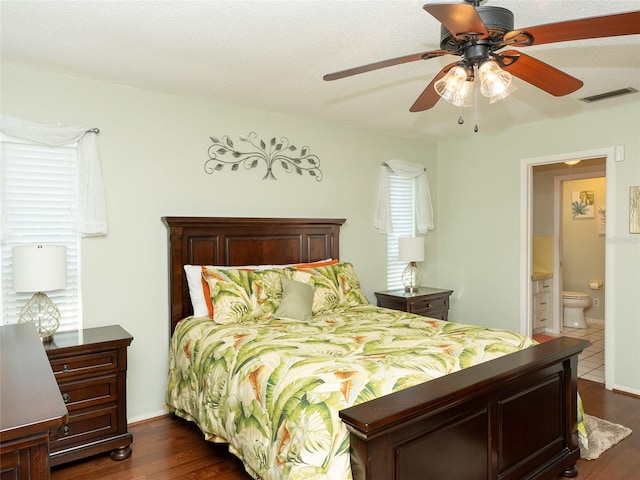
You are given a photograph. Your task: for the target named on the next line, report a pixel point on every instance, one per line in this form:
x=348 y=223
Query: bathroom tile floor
x=591 y=360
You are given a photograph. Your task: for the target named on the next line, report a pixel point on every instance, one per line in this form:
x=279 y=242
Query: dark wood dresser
x=30 y=404
x=90 y=367
x=427 y=301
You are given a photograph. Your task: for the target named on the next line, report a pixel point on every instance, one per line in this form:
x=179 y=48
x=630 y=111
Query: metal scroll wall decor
x=276 y=153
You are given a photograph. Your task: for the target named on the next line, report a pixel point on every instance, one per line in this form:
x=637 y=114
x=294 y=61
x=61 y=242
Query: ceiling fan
x=479 y=34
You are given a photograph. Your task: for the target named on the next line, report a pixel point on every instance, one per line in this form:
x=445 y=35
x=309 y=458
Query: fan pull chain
x=475 y=97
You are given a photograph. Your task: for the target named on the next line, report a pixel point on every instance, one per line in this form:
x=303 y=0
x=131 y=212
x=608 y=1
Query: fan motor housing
x=497 y=20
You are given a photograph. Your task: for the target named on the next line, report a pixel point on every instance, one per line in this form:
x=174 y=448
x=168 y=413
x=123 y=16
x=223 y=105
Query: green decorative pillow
x=297 y=299
x=333 y=285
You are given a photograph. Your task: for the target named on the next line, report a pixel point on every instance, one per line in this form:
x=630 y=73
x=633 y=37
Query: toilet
x=574 y=304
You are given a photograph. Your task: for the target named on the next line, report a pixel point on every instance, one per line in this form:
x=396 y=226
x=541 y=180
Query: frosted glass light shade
x=495 y=83
x=411 y=249
x=39 y=268
x=455 y=87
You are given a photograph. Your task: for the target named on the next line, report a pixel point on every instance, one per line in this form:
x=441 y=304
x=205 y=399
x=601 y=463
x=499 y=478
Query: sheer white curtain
x=92 y=209
x=423 y=207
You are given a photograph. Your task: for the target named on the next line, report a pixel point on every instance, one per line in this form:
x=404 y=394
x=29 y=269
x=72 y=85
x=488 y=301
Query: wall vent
x=606 y=95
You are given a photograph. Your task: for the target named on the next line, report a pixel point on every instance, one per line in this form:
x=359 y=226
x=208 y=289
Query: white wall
x=153 y=147
x=479 y=220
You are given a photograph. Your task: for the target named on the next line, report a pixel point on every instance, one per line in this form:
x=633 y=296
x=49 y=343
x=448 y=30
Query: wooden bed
x=466 y=425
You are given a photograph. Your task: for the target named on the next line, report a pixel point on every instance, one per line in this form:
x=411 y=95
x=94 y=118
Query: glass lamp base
x=411 y=278
x=43 y=313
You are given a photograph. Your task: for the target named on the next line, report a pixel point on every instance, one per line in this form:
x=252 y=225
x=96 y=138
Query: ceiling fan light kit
x=479 y=34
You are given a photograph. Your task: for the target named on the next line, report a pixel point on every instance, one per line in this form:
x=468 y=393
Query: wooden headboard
x=229 y=241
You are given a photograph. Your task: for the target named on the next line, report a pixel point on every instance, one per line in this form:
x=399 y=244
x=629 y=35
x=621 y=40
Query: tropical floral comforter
x=272 y=388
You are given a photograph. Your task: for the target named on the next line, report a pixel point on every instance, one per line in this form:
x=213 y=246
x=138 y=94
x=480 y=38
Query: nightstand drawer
x=90 y=364
x=424 y=306
x=90 y=392
x=427 y=301
x=84 y=427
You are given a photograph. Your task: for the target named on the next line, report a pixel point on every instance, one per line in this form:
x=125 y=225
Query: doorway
x=526 y=239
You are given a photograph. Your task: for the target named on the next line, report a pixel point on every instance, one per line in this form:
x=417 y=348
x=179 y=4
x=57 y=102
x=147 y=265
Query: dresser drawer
x=84 y=427
x=426 y=306
x=90 y=392
x=540 y=318
x=90 y=364
x=541 y=302
x=542 y=286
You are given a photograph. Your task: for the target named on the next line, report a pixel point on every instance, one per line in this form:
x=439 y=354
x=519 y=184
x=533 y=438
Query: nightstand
x=90 y=367
x=428 y=302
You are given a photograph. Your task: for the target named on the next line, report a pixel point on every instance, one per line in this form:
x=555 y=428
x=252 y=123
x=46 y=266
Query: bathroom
x=568 y=254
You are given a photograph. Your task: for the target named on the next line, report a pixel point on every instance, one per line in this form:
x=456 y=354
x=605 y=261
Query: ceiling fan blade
x=428 y=98
x=593 y=27
x=385 y=63
x=461 y=19
x=539 y=74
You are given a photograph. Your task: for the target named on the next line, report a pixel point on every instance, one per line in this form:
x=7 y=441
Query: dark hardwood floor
x=168 y=448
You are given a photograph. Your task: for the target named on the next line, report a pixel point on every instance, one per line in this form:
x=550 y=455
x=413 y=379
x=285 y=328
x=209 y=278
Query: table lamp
x=411 y=249
x=40 y=268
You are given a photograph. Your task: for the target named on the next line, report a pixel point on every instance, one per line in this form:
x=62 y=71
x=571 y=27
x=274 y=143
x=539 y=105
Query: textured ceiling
x=272 y=55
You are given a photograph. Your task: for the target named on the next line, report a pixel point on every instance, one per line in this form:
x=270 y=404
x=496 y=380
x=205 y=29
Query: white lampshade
x=411 y=249
x=39 y=268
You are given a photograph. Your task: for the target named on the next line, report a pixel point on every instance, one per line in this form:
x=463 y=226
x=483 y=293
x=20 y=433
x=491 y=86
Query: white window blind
x=40 y=202
x=402 y=203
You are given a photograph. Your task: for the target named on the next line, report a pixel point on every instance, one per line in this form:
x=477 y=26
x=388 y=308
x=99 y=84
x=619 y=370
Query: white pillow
x=194 y=281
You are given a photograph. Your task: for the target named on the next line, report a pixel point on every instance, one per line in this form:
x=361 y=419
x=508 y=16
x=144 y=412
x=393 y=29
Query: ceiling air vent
x=613 y=93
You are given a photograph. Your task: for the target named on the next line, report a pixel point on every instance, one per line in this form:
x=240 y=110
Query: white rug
x=601 y=435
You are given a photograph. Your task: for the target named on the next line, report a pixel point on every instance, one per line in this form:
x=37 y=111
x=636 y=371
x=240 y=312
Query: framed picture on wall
x=634 y=209
x=582 y=204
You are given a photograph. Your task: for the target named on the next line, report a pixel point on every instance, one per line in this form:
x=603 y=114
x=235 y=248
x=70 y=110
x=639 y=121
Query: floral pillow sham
x=239 y=295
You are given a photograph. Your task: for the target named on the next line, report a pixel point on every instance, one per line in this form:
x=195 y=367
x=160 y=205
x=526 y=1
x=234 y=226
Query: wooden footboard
x=510 y=418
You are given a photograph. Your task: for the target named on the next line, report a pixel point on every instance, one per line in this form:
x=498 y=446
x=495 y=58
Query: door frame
x=526 y=227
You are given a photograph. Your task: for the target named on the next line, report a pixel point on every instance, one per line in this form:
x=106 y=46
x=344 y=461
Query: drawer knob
x=65 y=430
x=65 y=368
x=66 y=397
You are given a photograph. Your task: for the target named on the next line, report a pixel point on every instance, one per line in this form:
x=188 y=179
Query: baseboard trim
x=147 y=418
x=628 y=393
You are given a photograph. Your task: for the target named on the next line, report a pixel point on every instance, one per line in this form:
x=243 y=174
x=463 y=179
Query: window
x=402 y=204
x=40 y=201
